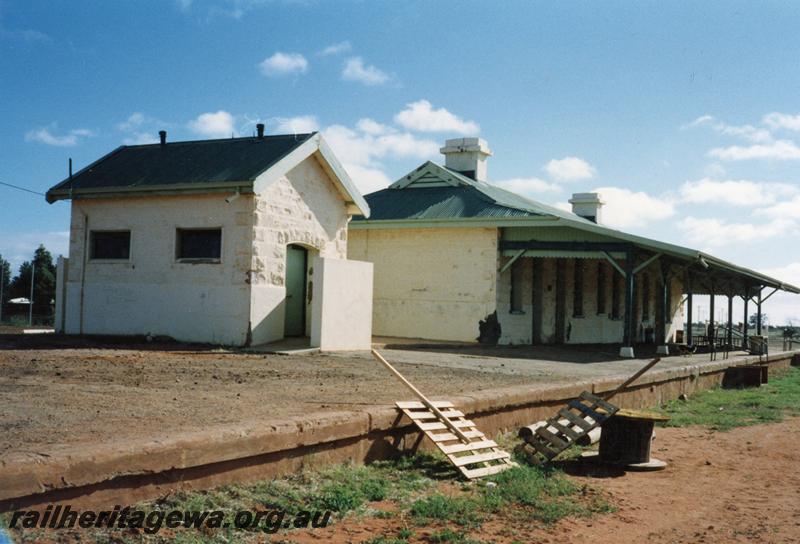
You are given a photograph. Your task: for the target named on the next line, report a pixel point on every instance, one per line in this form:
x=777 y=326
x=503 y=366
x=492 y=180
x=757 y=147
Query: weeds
x=724 y=409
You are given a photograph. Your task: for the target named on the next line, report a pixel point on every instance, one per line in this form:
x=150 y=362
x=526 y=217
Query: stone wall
x=303 y=207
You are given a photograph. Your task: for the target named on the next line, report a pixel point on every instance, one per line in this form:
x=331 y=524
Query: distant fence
x=18 y=315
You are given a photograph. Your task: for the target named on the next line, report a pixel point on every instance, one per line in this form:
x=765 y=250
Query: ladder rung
x=431 y=415
x=486 y=471
x=472 y=446
x=479 y=458
x=438 y=426
x=553 y=439
x=447 y=437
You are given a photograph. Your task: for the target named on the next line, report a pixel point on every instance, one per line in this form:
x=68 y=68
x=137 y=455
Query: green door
x=295 y=320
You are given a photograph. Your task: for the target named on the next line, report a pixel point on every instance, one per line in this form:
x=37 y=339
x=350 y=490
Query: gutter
x=150 y=190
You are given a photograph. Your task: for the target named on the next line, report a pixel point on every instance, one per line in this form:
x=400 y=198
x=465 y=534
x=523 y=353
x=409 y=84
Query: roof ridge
x=303 y=135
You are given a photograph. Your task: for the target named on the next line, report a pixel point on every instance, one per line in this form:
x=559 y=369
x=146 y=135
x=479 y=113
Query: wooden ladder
x=476 y=458
x=572 y=423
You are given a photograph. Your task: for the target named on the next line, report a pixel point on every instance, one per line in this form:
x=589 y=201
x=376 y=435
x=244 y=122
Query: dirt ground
x=737 y=486
x=55 y=395
x=60 y=392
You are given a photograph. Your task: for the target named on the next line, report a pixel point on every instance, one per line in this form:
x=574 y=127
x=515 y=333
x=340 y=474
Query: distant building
x=457 y=258
x=236 y=241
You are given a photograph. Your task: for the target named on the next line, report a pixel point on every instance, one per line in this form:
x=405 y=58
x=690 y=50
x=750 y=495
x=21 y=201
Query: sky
x=685 y=116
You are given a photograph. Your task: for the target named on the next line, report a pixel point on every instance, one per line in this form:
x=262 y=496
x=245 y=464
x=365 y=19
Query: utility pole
x=30 y=310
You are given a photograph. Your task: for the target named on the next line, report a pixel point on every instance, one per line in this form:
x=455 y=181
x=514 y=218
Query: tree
x=5 y=273
x=44 y=289
x=753 y=320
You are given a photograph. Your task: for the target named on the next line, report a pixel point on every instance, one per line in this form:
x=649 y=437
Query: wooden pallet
x=572 y=423
x=476 y=458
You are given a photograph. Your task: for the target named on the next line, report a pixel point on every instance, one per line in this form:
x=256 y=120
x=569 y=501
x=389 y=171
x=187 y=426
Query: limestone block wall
x=432 y=283
x=153 y=293
x=303 y=207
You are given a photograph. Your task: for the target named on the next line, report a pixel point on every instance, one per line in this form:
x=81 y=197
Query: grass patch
x=724 y=409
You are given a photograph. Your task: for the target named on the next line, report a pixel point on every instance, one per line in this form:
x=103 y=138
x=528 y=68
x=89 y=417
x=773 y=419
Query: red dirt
x=60 y=393
x=737 y=486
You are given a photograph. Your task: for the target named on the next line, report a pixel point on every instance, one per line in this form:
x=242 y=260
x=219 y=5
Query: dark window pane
x=601 y=287
x=111 y=245
x=516 y=286
x=199 y=243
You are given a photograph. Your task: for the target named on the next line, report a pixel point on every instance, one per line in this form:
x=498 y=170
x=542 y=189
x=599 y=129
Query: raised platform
x=126 y=472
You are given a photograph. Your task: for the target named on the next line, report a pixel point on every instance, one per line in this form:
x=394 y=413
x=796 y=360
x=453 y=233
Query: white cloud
x=712 y=232
x=356 y=70
x=747 y=132
x=422 y=117
x=777 y=150
x=785 y=208
x=776 y=120
x=569 y=169
x=336 y=49
x=281 y=64
x=626 y=208
x=218 y=124
x=141 y=129
x=530 y=187
x=370 y=126
x=734 y=192
x=297 y=125
x=363 y=149
x=46 y=135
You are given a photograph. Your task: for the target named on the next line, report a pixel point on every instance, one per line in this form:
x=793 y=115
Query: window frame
x=198 y=260
x=91 y=248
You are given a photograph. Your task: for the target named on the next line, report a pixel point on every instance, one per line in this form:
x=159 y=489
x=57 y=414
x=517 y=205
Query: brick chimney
x=587 y=205
x=467 y=156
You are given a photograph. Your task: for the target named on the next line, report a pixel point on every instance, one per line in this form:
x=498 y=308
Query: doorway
x=295 y=304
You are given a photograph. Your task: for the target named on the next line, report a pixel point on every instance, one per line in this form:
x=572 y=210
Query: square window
x=199 y=244
x=110 y=245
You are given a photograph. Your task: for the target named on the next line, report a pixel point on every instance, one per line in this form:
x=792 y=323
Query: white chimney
x=467 y=156
x=587 y=205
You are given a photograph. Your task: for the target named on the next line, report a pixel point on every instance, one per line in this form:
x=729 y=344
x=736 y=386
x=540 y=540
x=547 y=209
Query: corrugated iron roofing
x=203 y=161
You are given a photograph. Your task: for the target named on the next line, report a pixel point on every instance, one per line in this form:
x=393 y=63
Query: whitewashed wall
x=432 y=283
x=152 y=293
x=341 y=316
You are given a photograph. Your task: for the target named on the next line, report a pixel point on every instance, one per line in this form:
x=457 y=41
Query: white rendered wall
x=341 y=315
x=152 y=293
x=432 y=283
x=303 y=207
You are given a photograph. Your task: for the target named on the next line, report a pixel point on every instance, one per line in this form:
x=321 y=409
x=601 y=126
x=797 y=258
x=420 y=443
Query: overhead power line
x=21 y=188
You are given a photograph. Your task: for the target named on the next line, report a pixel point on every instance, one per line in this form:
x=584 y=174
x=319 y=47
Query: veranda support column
x=710 y=331
x=627 y=336
x=729 y=337
x=746 y=299
x=758 y=314
x=689 y=333
x=662 y=348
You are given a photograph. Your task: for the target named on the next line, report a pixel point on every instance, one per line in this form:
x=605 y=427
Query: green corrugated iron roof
x=193 y=163
x=436 y=192
x=436 y=195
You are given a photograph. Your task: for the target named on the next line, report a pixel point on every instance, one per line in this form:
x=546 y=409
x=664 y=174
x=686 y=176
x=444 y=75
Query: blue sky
x=685 y=115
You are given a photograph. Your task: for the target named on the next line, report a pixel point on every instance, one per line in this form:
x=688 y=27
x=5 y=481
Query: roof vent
x=162 y=134
x=587 y=205
x=467 y=156
x=260 y=129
